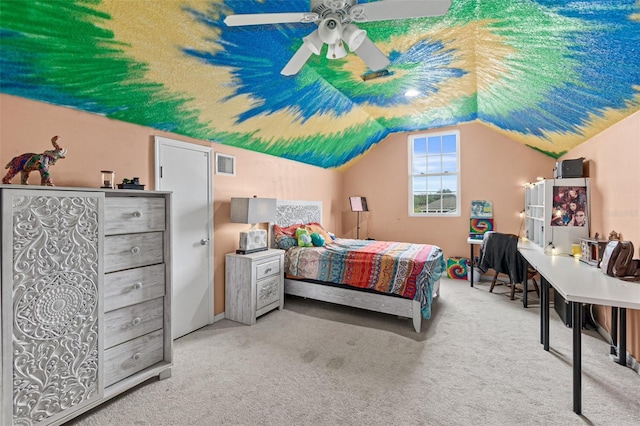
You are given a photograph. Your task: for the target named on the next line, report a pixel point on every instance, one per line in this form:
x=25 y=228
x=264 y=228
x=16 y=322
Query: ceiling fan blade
x=297 y=61
x=269 y=18
x=383 y=10
x=371 y=55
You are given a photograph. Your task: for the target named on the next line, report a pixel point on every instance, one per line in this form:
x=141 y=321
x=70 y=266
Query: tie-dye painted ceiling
x=548 y=73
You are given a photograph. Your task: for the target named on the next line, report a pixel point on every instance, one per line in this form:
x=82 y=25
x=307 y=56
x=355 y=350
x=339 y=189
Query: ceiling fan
x=335 y=27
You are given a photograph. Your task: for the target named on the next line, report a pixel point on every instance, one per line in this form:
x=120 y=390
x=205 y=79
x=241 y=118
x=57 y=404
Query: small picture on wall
x=569 y=206
x=481 y=209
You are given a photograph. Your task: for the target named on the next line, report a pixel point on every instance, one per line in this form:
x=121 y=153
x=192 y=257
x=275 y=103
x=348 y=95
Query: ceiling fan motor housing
x=338 y=9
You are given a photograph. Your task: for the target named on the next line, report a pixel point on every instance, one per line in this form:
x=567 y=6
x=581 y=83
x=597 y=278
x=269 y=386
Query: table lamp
x=253 y=211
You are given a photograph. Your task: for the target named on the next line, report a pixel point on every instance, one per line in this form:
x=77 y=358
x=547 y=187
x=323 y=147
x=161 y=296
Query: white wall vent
x=225 y=164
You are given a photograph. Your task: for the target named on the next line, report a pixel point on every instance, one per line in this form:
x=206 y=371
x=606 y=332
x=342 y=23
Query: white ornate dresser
x=86 y=289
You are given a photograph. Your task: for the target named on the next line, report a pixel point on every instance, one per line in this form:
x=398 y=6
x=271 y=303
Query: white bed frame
x=289 y=212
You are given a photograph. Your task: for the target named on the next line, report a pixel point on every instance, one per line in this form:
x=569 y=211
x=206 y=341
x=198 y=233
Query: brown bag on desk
x=617 y=261
x=609 y=256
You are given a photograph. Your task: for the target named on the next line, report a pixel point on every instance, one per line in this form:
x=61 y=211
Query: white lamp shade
x=330 y=31
x=253 y=210
x=313 y=42
x=336 y=51
x=353 y=36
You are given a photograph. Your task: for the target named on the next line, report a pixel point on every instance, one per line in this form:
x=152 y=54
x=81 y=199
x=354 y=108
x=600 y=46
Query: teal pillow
x=317 y=239
x=284 y=242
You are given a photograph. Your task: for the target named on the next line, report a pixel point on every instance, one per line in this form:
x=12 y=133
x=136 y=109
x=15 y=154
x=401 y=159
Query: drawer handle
x=136 y=321
x=266 y=271
x=135 y=250
x=137 y=213
x=137 y=356
x=137 y=286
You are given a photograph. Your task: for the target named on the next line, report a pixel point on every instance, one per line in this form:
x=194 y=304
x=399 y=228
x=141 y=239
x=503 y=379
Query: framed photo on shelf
x=481 y=209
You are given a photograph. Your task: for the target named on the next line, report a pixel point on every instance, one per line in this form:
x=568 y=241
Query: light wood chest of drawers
x=254 y=284
x=136 y=296
x=86 y=292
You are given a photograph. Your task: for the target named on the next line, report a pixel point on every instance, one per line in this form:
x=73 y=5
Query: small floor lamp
x=253 y=211
x=358 y=204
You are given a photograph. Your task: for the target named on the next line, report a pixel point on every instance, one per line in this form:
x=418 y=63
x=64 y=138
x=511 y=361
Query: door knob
x=204 y=241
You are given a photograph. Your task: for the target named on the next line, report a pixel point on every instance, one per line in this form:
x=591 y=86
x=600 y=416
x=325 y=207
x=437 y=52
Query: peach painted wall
x=493 y=167
x=95 y=143
x=613 y=164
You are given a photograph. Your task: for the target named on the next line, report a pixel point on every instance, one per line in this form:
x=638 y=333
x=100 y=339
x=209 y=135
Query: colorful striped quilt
x=404 y=269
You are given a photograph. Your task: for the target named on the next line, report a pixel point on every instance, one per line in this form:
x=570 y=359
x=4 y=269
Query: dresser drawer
x=133 y=321
x=125 y=215
x=268 y=291
x=128 y=358
x=268 y=268
x=132 y=250
x=127 y=288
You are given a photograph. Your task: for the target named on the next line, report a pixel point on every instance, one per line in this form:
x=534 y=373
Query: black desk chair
x=500 y=253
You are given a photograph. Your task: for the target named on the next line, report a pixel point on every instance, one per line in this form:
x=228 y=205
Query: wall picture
x=569 y=206
x=482 y=209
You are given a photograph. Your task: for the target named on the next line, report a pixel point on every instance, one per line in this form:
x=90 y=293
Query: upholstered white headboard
x=291 y=212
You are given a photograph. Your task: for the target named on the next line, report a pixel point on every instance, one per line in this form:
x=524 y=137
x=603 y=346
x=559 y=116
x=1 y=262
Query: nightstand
x=254 y=284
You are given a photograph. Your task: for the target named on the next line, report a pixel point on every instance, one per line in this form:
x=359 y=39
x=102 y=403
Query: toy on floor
x=29 y=162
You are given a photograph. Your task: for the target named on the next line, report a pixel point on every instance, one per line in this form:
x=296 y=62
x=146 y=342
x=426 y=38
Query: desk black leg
x=622 y=340
x=525 y=292
x=544 y=313
x=576 y=309
x=471 y=262
x=614 y=330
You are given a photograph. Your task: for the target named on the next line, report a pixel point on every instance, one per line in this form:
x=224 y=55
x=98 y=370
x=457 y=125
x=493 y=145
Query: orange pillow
x=289 y=231
x=316 y=227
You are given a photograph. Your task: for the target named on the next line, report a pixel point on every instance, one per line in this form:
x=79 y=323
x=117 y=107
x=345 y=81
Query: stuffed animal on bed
x=304 y=239
x=317 y=239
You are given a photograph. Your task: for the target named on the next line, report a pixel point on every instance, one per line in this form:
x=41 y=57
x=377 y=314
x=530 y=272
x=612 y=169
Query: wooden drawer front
x=135 y=355
x=127 y=288
x=268 y=268
x=268 y=291
x=133 y=321
x=125 y=215
x=132 y=250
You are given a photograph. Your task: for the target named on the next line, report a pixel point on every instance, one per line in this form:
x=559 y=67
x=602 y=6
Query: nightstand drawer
x=132 y=250
x=267 y=269
x=124 y=215
x=128 y=358
x=133 y=321
x=127 y=288
x=268 y=291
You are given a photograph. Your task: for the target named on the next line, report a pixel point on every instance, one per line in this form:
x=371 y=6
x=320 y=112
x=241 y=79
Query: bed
x=394 y=278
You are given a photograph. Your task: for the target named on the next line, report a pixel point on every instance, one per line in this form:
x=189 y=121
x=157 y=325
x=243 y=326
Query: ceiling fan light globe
x=313 y=42
x=330 y=31
x=336 y=51
x=353 y=36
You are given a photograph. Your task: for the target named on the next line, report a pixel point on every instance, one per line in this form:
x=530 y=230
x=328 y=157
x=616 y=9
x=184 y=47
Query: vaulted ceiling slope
x=548 y=73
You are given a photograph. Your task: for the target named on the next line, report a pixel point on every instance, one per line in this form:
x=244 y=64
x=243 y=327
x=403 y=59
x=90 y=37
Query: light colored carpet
x=478 y=361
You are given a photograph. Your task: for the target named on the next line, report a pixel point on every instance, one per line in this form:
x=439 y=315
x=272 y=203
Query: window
x=434 y=174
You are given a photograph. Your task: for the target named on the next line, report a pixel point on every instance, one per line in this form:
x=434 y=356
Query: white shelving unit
x=539 y=214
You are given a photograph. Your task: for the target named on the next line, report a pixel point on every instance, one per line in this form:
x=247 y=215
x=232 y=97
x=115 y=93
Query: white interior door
x=185 y=169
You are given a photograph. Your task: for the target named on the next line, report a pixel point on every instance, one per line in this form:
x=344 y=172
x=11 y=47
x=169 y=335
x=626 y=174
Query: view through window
x=434 y=174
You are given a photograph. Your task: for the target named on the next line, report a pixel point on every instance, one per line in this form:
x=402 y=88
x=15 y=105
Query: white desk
x=579 y=283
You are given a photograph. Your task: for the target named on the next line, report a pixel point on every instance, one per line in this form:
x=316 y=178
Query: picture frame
x=481 y=209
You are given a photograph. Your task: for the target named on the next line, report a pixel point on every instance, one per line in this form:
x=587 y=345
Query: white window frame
x=411 y=139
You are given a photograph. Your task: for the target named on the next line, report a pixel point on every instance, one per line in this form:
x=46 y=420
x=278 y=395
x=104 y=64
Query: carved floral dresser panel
x=52 y=250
